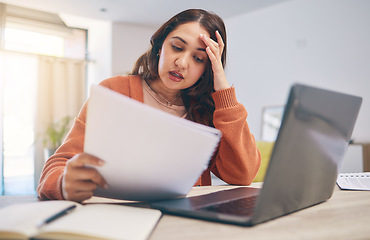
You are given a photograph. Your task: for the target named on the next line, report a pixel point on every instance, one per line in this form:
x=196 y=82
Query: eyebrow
x=182 y=40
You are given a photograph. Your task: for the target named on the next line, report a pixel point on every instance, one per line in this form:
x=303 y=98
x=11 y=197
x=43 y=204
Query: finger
x=85 y=186
x=97 y=178
x=88 y=174
x=212 y=57
x=79 y=186
x=220 y=41
x=213 y=42
x=80 y=196
x=209 y=42
x=79 y=190
x=70 y=191
x=213 y=46
x=77 y=171
x=82 y=159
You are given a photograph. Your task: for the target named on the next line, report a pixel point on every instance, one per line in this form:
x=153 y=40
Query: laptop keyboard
x=241 y=207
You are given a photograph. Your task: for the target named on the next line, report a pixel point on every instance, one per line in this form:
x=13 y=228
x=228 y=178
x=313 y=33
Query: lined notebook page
x=354 y=181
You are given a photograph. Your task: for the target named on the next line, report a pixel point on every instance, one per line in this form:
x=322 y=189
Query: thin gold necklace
x=168 y=103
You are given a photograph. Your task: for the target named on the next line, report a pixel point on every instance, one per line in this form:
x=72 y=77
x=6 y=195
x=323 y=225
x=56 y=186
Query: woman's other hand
x=80 y=181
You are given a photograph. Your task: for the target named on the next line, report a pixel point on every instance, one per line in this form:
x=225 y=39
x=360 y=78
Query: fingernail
x=105 y=186
x=101 y=162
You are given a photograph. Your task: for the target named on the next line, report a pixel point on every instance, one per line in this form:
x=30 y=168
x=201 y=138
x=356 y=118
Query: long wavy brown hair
x=197 y=99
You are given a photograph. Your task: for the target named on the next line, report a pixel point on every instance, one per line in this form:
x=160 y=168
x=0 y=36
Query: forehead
x=189 y=31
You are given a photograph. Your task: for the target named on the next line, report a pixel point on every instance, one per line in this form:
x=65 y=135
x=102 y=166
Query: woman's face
x=183 y=58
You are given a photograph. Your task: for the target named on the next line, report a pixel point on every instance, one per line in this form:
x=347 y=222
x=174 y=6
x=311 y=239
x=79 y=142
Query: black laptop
x=316 y=128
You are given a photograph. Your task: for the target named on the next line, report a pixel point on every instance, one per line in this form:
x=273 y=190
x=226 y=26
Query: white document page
x=149 y=154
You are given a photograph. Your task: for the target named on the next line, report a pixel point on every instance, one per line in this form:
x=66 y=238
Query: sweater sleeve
x=237 y=160
x=50 y=184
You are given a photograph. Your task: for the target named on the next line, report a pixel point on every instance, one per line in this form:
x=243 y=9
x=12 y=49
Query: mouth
x=176 y=76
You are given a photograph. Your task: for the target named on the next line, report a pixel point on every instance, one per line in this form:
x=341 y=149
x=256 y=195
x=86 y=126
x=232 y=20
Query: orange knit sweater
x=236 y=161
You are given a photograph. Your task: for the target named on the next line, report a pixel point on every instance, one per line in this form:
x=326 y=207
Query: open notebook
x=93 y=221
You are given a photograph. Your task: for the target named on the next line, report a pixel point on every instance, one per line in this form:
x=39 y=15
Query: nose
x=182 y=62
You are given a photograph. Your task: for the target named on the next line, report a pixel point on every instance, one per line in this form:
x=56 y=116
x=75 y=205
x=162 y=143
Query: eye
x=199 y=60
x=176 y=48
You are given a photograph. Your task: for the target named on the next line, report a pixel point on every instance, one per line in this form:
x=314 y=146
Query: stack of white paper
x=149 y=154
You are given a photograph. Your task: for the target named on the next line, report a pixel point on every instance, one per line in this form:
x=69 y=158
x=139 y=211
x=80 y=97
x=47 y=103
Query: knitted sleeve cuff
x=225 y=98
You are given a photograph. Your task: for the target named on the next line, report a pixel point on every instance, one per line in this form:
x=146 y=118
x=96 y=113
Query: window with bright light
x=33 y=42
x=23 y=43
x=19 y=73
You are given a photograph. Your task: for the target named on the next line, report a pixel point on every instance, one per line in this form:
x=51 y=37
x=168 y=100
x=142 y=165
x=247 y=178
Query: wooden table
x=345 y=216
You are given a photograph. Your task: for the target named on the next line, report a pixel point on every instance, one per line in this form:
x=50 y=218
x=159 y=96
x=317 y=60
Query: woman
x=183 y=74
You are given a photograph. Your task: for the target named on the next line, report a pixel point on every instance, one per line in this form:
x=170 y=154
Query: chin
x=172 y=84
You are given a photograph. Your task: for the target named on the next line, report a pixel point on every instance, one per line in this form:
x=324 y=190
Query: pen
x=56 y=216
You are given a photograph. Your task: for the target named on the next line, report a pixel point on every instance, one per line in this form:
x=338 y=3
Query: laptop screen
x=313 y=138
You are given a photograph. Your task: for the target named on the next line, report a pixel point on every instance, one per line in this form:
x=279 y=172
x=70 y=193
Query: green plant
x=56 y=132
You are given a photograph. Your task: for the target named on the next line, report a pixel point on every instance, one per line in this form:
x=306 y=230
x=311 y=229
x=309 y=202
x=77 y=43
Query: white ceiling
x=144 y=12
